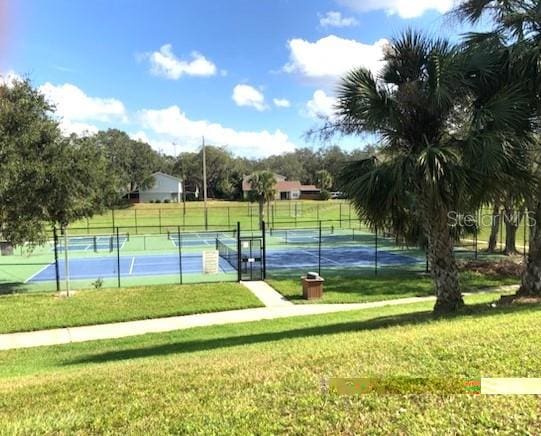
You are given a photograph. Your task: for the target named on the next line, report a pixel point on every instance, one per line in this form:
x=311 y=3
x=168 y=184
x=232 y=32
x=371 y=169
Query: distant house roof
x=279 y=179
x=288 y=186
x=160 y=174
x=310 y=188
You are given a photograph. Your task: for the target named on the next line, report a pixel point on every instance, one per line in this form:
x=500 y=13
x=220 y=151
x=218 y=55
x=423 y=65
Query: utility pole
x=205 y=183
x=183 y=181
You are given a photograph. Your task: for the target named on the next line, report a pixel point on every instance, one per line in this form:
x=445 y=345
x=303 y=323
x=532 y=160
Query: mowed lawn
x=341 y=287
x=34 y=311
x=270 y=376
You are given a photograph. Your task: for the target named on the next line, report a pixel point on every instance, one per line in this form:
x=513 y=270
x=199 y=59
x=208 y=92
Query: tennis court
x=168 y=264
x=130 y=266
x=337 y=257
x=92 y=243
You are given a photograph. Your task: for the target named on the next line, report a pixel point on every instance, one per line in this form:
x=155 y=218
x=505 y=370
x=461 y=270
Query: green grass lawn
x=269 y=376
x=221 y=214
x=23 y=312
x=355 y=288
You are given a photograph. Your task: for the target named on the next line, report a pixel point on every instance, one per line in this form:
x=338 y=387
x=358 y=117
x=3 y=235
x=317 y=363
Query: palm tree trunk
x=512 y=220
x=443 y=269
x=531 y=278
x=494 y=229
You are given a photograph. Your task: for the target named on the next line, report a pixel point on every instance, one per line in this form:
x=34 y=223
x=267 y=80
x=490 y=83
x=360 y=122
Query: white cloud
x=172 y=125
x=161 y=145
x=164 y=63
x=281 y=102
x=335 y=19
x=404 y=8
x=80 y=129
x=246 y=95
x=9 y=77
x=332 y=56
x=321 y=105
x=75 y=109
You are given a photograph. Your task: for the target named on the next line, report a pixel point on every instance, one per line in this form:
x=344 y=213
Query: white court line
x=131 y=265
x=322 y=257
x=39 y=272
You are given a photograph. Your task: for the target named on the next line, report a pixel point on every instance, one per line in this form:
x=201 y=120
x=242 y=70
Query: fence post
x=319 y=251
x=113 y=217
x=136 y=228
x=376 y=252
x=239 y=255
x=160 y=220
x=228 y=217
x=340 y=213
x=179 y=254
x=317 y=211
x=118 y=256
x=66 y=261
x=264 y=240
x=56 y=267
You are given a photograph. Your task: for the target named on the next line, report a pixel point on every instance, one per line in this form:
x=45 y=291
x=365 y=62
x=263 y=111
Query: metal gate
x=252 y=258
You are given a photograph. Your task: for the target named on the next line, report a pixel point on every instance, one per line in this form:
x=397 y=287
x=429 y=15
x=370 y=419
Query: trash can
x=312 y=286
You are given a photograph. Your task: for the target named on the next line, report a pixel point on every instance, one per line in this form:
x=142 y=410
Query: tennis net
x=227 y=253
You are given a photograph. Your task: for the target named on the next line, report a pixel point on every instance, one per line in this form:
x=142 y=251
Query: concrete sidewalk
x=267 y=295
x=276 y=307
x=134 y=328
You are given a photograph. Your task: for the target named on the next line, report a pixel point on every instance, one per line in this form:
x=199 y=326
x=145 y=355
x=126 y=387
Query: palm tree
x=324 y=180
x=262 y=185
x=517 y=24
x=444 y=142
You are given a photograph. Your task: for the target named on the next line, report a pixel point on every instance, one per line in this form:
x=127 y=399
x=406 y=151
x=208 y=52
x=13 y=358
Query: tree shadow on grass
x=7 y=288
x=188 y=346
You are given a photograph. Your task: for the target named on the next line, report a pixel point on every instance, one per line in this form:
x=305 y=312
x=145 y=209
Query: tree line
x=49 y=179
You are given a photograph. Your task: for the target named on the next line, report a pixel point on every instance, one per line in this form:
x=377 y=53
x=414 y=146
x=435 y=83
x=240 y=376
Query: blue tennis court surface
x=335 y=257
x=157 y=265
x=130 y=266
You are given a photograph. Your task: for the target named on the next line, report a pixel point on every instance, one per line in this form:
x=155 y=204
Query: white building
x=165 y=187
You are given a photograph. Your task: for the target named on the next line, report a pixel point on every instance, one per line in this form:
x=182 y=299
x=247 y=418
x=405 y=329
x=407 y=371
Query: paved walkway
x=267 y=295
x=275 y=309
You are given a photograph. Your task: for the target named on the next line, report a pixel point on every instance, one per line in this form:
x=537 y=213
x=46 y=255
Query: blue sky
x=252 y=75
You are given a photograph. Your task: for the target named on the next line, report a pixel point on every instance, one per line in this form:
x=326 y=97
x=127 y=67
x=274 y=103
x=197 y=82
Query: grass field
x=269 y=376
x=355 y=288
x=24 y=312
x=151 y=218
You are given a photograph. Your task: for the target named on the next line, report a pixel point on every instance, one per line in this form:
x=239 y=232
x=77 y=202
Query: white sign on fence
x=210 y=262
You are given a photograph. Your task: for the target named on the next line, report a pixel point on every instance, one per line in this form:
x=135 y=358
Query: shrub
x=157 y=201
x=167 y=201
x=98 y=283
x=324 y=195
